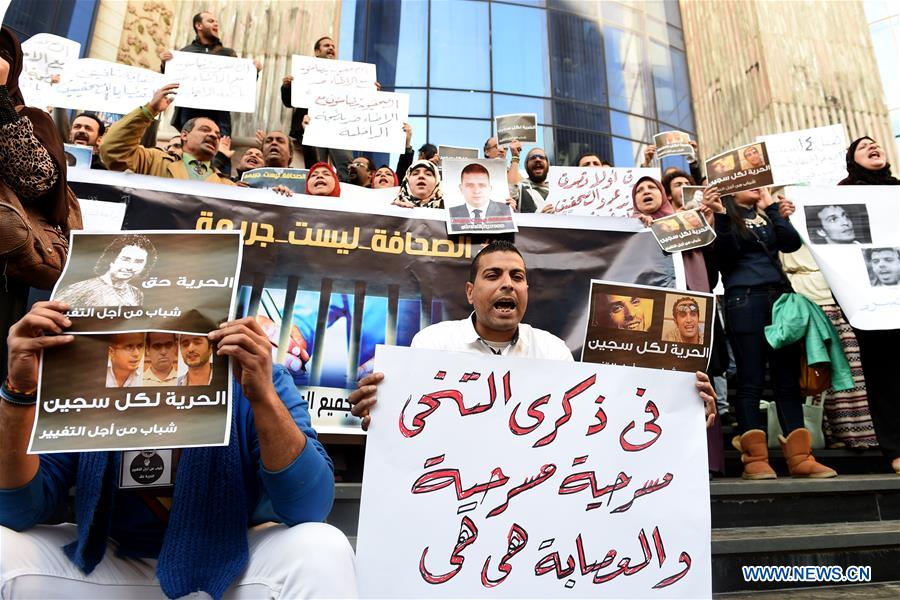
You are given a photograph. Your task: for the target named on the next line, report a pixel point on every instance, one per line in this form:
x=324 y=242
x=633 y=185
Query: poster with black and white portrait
x=838 y=224
x=883 y=265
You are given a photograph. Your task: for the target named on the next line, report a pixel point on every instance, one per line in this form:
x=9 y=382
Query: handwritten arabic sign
x=213 y=82
x=137 y=281
x=741 y=169
x=643 y=326
x=99 y=85
x=371 y=121
x=862 y=268
x=815 y=156
x=522 y=127
x=312 y=76
x=683 y=231
x=43 y=56
x=596 y=191
x=269 y=177
x=569 y=491
x=672 y=143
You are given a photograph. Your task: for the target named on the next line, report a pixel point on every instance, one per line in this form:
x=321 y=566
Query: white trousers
x=311 y=560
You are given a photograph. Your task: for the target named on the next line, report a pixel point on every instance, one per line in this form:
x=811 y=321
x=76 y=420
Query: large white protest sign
x=213 y=82
x=103 y=86
x=371 y=121
x=509 y=477
x=814 y=156
x=596 y=191
x=854 y=236
x=311 y=74
x=43 y=56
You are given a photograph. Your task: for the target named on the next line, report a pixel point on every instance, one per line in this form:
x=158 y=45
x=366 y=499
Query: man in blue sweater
x=199 y=534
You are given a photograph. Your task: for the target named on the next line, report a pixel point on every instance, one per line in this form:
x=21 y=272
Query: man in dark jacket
x=206 y=28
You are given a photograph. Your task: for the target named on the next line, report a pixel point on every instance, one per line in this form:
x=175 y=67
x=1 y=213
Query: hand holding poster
x=475 y=193
x=521 y=127
x=815 y=156
x=596 y=191
x=650 y=327
x=371 y=121
x=855 y=241
x=213 y=82
x=672 y=143
x=682 y=231
x=147 y=375
x=313 y=75
x=530 y=511
x=739 y=170
x=102 y=86
x=44 y=55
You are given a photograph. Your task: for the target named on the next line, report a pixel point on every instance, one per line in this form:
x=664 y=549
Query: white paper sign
x=97 y=215
x=596 y=191
x=336 y=75
x=103 y=86
x=43 y=56
x=372 y=121
x=213 y=82
x=854 y=235
x=515 y=478
x=814 y=156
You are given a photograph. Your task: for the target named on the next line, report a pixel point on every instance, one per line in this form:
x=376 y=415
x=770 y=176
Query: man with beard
x=87 y=130
x=884 y=264
x=206 y=29
x=686 y=313
x=531 y=194
x=362 y=171
x=162 y=350
x=127 y=257
x=126 y=355
x=122 y=150
x=196 y=352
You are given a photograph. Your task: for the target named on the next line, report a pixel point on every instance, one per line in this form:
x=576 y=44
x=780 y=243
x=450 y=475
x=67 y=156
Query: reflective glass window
x=663 y=83
x=673 y=13
x=621 y=15
x=458 y=132
x=413 y=44
x=571 y=144
x=624 y=60
x=527 y=2
x=584 y=8
x=627 y=153
x=459 y=104
x=417 y=104
x=654 y=8
x=580 y=116
x=510 y=105
x=682 y=90
x=519 y=41
x=676 y=38
x=460 y=45
x=419 y=137
x=657 y=29
x=577 y=53
x=631 y=126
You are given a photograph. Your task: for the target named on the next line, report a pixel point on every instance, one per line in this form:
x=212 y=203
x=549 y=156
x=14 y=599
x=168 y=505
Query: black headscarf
x=54 y=203
x=859 y=175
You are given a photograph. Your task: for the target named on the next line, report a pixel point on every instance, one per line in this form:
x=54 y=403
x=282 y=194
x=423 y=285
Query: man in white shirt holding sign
x=498 y=290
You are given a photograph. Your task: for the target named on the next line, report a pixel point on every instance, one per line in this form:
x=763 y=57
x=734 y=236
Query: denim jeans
x=747 y=311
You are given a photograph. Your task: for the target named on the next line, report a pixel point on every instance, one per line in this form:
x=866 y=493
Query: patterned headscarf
x=435 y=200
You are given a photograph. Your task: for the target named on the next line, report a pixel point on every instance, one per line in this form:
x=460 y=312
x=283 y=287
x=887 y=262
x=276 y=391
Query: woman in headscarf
x=384 y=178
x=867 y=165
x=32 y=168
x=421 y=187
x=650 y=203
x=323 y=181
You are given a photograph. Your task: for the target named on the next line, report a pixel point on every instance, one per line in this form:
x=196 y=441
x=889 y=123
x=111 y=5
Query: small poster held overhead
x=269 y=177
x=521 y=127
x=312 y=75
x=44 y=55
x=213 y=82
x=814 y=156
x=741 y=169
x=685 y=230
x=475 y=193
x=672 y=143
x=371 y=121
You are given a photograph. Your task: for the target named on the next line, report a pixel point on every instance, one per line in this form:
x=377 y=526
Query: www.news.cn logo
x=808 y=573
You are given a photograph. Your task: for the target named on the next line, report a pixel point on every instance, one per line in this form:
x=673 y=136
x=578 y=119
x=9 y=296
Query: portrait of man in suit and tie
x=478 y=212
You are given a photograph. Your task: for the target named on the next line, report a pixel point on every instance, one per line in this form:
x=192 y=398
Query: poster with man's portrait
x=740 y=170
x=643 y=326
x=672 y=143
x=684 y=230
x=838 y=224
x=150 y=280
x=475 y=195
x=883 y=266
x=692 y=196
x=521 y=127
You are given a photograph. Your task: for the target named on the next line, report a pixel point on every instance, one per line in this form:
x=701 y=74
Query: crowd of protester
x=757 y=256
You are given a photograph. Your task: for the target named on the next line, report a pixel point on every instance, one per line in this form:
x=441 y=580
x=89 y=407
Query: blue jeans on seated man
x=747 y=312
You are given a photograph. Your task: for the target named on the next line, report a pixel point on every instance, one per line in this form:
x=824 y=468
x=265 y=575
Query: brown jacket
x=121 y=150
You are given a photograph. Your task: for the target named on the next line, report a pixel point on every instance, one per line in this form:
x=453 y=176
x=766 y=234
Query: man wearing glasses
x=361 y=171
x=686 y=313
x=531 y=194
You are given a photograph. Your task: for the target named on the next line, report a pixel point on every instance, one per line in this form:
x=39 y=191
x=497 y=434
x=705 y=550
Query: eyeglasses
x=359 y=165
x=537 y=156
x=683 y=310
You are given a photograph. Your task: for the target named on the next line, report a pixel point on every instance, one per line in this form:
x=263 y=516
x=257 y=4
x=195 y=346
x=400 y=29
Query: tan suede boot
x=798 y=454
x=754 y=454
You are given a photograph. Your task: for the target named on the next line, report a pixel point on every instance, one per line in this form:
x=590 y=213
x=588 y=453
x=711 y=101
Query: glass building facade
x=884 y=26
x=601 y=76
